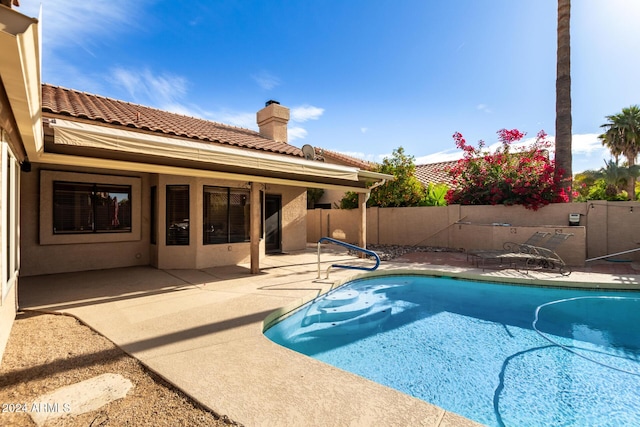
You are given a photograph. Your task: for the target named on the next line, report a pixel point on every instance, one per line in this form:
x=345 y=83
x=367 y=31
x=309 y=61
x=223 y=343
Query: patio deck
x=201 y=330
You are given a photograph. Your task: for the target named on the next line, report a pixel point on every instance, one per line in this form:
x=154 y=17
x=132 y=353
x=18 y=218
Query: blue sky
x=361 y=77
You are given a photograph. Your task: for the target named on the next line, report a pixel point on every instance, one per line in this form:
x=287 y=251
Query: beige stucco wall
x=604 y=228
x=331 y=197
x=471 y=236
x=294 y=220
x=7 y=316
x=197 y=254
x=9 y=225
x=154 y=253
x=9 y=301
x=94 y=253
x=44 y=253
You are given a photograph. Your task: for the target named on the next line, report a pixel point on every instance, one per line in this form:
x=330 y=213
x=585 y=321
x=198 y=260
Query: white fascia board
x=121 y=165
x=20 y=72
x=71 y=133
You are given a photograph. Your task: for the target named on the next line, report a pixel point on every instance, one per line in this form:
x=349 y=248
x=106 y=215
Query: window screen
x=226 y=214
x=91 y=208
x=177 y=215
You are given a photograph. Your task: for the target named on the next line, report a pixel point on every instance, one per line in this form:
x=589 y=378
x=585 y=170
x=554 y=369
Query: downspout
x=362 y=240
x=375 y=185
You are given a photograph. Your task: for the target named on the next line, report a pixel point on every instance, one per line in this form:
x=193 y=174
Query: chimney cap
x=271 y=101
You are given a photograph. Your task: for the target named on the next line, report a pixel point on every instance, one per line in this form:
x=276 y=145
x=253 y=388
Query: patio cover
x=256 y=163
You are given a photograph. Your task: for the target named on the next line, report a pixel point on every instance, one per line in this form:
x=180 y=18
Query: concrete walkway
x=202 y=331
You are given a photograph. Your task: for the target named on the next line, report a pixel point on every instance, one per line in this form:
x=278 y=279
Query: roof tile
x=346 y=160
x=435 y=173
x=68 y=102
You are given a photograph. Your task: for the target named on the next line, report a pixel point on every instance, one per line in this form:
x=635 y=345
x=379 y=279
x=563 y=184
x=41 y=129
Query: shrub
x=511 y=177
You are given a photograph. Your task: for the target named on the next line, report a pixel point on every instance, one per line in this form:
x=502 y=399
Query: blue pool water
x=498 y=354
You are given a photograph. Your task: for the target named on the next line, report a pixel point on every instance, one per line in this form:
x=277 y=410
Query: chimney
x=10 y=3
x=272 y=121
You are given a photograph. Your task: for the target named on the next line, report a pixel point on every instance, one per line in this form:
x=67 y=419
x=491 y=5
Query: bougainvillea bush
x=509 y=176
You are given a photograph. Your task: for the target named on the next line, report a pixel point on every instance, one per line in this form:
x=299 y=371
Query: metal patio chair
x=543 y=256
x=484 y=255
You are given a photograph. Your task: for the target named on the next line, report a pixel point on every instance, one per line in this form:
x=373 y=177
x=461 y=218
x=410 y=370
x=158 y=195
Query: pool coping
x=491 y=277
x=211 y=322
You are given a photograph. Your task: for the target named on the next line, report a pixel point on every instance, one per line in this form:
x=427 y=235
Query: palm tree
x=622 y=136
x=611 y=140
x=615 y=176
x=563 y=95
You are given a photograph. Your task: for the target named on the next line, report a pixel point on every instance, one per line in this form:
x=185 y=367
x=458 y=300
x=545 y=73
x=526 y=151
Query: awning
x=253 y=163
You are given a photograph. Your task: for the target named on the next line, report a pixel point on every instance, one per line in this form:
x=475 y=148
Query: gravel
x=389 y=252
x=46 y=352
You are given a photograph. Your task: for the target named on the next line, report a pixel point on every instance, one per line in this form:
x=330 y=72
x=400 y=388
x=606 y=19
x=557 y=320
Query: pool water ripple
x=471 y=348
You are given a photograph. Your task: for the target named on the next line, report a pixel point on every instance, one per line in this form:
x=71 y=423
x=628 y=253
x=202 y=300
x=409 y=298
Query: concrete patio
x=201 y=330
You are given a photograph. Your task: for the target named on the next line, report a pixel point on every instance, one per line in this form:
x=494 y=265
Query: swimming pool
x=501 y=355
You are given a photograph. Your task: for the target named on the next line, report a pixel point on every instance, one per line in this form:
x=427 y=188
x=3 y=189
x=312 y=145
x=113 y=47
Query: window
x=226 y=214
x=74 y=187
x=177 y=215
x=81 y=207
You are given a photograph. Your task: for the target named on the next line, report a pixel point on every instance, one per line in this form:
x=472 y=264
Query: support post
x=255 y=227
x=362 y=228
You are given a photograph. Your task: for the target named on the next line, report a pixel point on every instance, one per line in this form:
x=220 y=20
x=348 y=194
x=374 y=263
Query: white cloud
x=66 y=22
x=296 y=133
x=237 y=118
x=302 y=114
x=484 y=107
x=266 y=80
x=226 y=117
x=582 y=145
x=586 y=143
x=441 y=156
x=180 y=109
x=306 y=112
x=145 y=87
x=362 y=156
x=168 y=92
x=364 y=130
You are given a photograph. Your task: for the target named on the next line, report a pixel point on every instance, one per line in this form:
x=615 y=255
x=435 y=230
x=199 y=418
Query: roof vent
x=271 y=101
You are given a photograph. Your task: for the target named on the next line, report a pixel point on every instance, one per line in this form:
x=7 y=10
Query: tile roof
x=344 y=159
x=434 y=172
x=72 y=103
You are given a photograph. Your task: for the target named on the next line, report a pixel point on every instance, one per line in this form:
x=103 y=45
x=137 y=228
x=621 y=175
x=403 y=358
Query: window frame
x=180 y=226
x=46 y=234
x=96 y=225
x=208 y=230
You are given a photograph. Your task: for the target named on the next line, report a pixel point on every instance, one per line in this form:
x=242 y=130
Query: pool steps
x=346 y=311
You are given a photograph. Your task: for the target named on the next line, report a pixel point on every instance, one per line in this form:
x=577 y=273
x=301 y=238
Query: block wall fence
x=604 y=227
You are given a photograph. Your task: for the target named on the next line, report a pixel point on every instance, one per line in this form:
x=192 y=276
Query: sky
x=361 y=77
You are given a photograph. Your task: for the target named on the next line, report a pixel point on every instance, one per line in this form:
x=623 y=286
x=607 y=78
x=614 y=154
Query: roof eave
x=369 y=176
x=85 y=144
x=20 y=74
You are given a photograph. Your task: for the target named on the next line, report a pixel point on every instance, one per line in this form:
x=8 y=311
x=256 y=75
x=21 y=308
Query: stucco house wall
x=42 y=254
x=19 y=44
x=8 y=269
x=294 y=216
